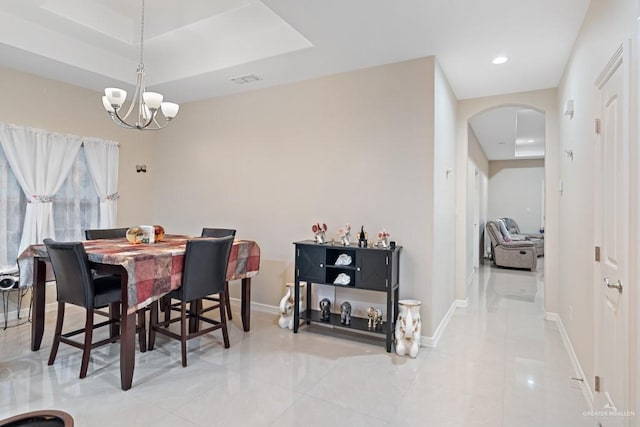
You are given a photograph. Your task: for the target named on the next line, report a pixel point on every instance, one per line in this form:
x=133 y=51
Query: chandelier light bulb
x=169 y=109
x=152 y=100
x=115 y=96
x=107 y=105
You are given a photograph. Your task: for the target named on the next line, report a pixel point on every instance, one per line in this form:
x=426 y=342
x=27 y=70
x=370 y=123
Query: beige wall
x=515 y=191
x=477 y=188
x=496 y=166
x=352 y=148
x=546 y=102
x=607 y=25
x=444 y=199
x=358 y=147
x=47 y=104
x=476 y=152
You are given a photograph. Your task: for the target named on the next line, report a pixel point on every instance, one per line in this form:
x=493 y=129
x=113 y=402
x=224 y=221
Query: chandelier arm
x=115 y=118
x=147 y=123
x=160 y=126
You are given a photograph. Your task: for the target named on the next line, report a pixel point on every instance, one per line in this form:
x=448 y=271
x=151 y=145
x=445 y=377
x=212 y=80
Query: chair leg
x=223 y=319
x=195 y=308
x=57 y=333
x=153 y=321
x=226 y=299
x=142 y=329
x=86 y=349
x=114 y=318
x=183 y=332
x=5 y=308
x=166 y=307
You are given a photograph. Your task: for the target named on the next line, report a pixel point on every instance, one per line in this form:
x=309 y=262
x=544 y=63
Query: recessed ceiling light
x=500 y=60
x=531 y=140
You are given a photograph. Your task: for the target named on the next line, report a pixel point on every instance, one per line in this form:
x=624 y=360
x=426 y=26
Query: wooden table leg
x=127 y=338
x=246 y=304
x=37 y=324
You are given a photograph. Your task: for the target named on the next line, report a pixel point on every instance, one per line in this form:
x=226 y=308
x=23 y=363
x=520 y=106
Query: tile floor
x=498 y=364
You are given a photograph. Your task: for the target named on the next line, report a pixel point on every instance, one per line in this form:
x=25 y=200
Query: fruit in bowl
x=158 y=232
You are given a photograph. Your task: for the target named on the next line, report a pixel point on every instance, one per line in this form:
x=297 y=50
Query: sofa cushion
x=511 y=225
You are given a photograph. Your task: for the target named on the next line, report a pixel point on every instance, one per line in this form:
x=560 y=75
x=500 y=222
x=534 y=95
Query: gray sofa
x=514 y=254
x=514 y=229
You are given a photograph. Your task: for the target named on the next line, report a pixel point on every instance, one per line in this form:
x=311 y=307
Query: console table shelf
x=371 y=269
x=357 y=323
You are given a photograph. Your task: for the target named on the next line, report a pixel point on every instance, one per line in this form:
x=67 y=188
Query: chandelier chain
x=142 y=33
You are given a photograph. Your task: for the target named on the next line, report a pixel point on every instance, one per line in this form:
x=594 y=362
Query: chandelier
x=144 y=105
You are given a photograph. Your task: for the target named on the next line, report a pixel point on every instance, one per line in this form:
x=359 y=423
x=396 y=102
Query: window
x=76 y=207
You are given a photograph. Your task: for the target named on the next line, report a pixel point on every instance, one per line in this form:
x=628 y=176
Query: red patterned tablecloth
x=156 y=269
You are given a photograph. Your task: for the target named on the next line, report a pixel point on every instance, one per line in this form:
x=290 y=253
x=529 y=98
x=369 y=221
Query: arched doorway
x=543 y=102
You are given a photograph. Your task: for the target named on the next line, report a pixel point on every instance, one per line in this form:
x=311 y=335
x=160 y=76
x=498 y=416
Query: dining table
x=147 y=272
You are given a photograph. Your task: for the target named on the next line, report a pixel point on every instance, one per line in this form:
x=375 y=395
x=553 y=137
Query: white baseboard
x=432 y=342
x=577 y=368
x=266 y=308
x=462 y=303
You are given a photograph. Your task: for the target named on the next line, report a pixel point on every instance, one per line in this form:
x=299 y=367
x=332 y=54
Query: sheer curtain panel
x=41 y=161
x=102 y=161
x=76 y=206
x=12 y=208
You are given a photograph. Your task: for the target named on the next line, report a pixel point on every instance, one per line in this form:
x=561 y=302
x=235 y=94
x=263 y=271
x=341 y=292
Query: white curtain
x=102 y=161
x=76 y=206
x=12 y=208
x=41 y=161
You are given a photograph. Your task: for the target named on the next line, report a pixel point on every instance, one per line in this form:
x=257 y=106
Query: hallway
x=499 y=363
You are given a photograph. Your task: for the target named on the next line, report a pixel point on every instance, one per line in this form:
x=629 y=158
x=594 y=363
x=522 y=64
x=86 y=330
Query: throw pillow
x=503 y=230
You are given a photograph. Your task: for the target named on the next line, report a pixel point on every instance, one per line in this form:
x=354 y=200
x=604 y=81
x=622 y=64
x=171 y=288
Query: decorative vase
x=286 y=306
x=408 y=327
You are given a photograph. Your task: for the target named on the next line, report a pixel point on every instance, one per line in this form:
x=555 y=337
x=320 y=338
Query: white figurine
x=286 y=306
x=286 y=311
x=344 y=234
x=319 y=231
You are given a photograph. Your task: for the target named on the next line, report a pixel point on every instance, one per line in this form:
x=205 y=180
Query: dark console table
x=373 y=269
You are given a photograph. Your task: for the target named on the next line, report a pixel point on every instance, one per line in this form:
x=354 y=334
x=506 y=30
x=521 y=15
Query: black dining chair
x=105 y=233
x=221 y=232
x=76 y=285
x=204 y=273
x=111 y=233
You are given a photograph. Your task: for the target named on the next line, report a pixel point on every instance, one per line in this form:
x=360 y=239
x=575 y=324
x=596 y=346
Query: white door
x=612 y=222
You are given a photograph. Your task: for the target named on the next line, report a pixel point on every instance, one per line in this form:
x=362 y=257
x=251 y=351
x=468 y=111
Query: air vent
x=249 y=78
